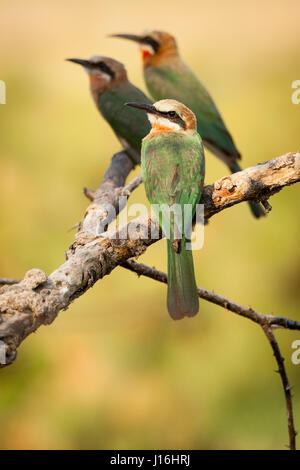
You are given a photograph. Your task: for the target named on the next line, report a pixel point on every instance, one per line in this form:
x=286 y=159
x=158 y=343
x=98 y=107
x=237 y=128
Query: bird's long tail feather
x=182 y=299
x=256 y=208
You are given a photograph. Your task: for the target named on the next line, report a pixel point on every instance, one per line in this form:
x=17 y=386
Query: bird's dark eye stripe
x=106 y=69
x=171 y=114
x=152 y=42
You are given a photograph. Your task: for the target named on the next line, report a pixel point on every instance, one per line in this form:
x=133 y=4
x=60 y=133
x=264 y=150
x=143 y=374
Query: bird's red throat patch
x=145 y=54
x=94 y=80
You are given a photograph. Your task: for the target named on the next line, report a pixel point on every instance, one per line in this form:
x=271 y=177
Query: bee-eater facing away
x=111 y=89
x=167 y=76
x=172 y=162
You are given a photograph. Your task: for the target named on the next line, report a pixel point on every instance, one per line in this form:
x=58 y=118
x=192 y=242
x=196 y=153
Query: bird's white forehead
x=166 y=105
x=95 y=59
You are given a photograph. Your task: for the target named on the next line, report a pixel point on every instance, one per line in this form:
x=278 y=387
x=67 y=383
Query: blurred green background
x=114 y=372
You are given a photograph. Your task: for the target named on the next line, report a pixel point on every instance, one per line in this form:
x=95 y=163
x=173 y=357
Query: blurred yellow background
x=114 y=372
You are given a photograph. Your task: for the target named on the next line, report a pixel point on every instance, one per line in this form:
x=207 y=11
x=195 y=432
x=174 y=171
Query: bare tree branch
x=256 y=183
x=37 y=299
x=97 y=216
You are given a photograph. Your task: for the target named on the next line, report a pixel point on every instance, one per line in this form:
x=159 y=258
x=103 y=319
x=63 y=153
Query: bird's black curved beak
x=131 y=37
x=83 y=62
x=139 y=39
x=149 y=108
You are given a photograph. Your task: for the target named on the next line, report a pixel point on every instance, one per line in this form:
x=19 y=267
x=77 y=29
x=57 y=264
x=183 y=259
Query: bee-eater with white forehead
x=111 y=89
x=172 y=162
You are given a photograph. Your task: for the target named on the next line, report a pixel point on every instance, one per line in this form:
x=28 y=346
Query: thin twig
x=285 y=383
x=8 y=282
x=210 y=296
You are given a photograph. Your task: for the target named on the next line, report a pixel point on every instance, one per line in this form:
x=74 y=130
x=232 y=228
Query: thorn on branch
x=89 y=193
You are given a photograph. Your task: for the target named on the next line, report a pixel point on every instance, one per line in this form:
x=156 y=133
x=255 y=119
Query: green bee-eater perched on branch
x=167 y=76
x=172 y=163
x=111 y=89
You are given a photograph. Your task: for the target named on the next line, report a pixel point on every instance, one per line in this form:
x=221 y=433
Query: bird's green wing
x=129 y=124
x=173 y=173
x=180 y=83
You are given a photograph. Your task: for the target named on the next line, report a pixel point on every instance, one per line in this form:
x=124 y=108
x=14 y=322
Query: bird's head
x=104 y=72
x=155 y=46
x=168 y=115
